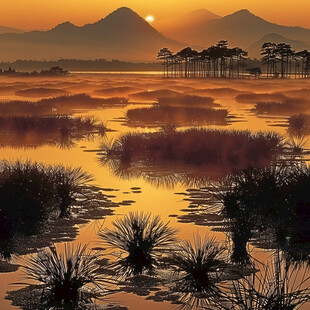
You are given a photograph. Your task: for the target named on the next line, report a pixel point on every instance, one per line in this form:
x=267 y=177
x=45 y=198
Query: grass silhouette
x=41 y=92
x=69 y=279
x=31 y=194
x=140 y=239
x=58 y=105
x=186 y=100
x=162 y=115
x=198 y=265
x=299 y=124
x=196 y=147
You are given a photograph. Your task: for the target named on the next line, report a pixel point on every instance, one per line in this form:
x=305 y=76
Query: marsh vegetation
x=34 y=131
x=241 y=217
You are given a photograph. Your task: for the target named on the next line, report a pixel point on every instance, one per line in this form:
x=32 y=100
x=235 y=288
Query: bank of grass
x=140 y=240
x=299 y=124
x=179 y=115
x=152 y=95
x=69 y=280
x=198 y=147
x=34 y=131
x=33 y=194
x=268 y=206
x=41 y=92
x=50 y=125
x=58 y=105
x=282 y=108
x=186 y=100
x=264 y=97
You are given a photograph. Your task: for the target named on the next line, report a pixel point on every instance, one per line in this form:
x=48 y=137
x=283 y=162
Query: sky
x=45 y=14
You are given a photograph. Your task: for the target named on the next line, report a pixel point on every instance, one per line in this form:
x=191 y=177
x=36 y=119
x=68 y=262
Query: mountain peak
x=123 y=12
x=243 y=11
x=201 y=14
x=244 y=16
x=64 y=26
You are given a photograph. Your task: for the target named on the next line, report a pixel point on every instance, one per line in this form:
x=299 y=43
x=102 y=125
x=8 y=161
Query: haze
x=38 y=14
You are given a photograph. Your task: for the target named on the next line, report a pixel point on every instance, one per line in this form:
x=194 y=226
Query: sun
x=150 y=19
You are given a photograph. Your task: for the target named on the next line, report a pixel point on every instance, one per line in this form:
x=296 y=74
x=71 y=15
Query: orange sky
x=43 y=14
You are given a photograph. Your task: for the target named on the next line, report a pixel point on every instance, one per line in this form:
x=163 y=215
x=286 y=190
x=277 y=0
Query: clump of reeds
x=154 y=94
x=58 y=105
x=26 y=197
x=275 y=285
x=180 y=115
x=267 y=204
x=41 y=92
x=198 y=266
x=186 y=100
x=233 y=149
x=140 y=240
x=299 y=124
x=263 y=97
x=31 y=194
x=116 y=91
x=51 y=124
x=70 y=184
x=69 y=279
x=31 y=131
x=287 y=107
x=217 y=92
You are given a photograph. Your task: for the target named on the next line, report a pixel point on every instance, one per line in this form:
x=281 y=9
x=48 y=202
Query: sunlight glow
x=150 y=19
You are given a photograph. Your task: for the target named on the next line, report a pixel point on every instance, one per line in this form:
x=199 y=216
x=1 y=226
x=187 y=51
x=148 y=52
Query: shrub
x=198 y=265
x=140 y=239
x=68 y=278
x=162 y=115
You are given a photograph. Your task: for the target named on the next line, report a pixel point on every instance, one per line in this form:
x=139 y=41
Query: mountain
x=122 y=35
x=254 y=49
x=240 y=28
x=179 y=27
x=4 y=29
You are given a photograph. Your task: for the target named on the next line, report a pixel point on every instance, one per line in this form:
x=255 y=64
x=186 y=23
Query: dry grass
x=181 y=116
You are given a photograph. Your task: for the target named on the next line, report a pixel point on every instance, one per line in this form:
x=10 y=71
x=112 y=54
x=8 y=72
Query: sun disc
x=149 y=18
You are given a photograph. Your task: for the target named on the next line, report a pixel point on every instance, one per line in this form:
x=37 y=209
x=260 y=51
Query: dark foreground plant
x=140 y=239
x=31 y=194
x=299 y=124
x=275 y=286
x=68 y=278
x=268 y=206
x=198 y=266
x=70 y=184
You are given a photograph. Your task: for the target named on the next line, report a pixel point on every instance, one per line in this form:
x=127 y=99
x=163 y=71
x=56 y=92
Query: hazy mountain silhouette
x=254 y=49
x=4 y=29
x=241 y=28
x=180 y=27
x=123 y=34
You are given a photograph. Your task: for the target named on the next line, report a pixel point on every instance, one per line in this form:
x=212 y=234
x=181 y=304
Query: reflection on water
x=161 y=200
x=268 y=207
x=59 y=131
x=179 y=155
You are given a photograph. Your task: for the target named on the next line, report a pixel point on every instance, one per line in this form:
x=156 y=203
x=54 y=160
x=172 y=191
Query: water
x=159 y=199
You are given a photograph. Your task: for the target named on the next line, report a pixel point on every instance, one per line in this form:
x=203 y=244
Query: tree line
x=278 y=61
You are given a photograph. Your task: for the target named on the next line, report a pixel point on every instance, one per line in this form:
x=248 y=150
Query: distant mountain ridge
x=179 y=27
x=296 y=45
x=241 y=28
x=123 y=35
x=5 y=29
